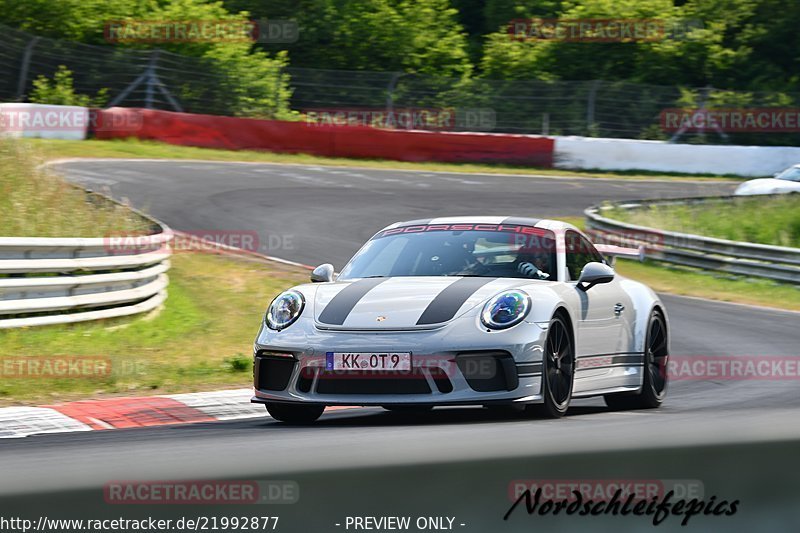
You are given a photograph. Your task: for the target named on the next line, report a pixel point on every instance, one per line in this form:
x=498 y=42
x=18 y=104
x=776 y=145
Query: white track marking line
x=678 y=179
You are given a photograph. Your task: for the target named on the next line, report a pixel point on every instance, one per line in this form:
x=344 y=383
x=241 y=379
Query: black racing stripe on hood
x=346 y=299
x=449 y=301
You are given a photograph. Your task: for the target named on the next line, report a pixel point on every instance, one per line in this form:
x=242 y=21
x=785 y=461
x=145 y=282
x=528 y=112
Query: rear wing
x=611 y=251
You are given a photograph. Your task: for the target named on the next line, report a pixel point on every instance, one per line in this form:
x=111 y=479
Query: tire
x=408 y=408
x=656 y=355
x=295 y=413
x=558 y=371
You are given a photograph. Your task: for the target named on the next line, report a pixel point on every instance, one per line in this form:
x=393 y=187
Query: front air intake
x=488 y=371
x=272 y=372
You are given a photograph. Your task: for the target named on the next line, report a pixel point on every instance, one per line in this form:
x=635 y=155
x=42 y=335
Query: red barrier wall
x=324 y=140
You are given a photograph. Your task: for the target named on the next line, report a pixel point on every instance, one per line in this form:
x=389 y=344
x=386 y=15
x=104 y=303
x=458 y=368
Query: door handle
x=618 y=309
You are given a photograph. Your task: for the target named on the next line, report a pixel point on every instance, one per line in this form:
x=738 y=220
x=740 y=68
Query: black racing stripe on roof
x=449 y=301
x=522 y=221
x=339 y=307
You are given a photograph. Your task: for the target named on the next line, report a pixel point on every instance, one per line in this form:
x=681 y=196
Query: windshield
x=790 y=174
x=481 y=250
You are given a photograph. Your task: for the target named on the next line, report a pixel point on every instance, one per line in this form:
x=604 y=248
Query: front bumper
x=448 y=367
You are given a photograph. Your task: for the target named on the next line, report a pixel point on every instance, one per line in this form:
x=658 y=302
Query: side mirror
x=594 y=273
x=322 y=273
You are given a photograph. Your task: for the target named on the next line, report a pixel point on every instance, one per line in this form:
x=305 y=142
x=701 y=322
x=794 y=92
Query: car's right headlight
x=285 y=309
x=506 y=309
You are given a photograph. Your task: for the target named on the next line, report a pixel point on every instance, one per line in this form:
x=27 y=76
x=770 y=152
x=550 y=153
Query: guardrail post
x=590 y=105
x=23 y=70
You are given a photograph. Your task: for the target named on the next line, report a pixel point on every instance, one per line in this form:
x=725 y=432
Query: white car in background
x=784 y=182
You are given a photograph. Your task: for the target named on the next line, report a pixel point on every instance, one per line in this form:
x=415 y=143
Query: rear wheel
x=295 y=413
x=558 y=370
x=654 y=386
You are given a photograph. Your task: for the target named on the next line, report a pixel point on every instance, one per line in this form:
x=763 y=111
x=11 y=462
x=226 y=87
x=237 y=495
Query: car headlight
x=506 y=309
x=285 y=309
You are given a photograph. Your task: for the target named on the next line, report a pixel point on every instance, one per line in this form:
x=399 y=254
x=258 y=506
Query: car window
x=579 y=251
x=492 y=250
x=381 y=263
x=790 y=174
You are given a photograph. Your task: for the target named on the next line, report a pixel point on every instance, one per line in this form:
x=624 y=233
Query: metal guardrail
x=778 y=263
x=47 y=281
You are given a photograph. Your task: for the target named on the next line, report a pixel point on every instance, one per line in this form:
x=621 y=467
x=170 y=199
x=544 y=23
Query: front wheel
x=654 y=386
x=558 y=371
x=295 y=414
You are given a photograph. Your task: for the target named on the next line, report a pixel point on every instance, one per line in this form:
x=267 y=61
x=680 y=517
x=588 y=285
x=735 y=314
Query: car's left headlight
x=285 y=309
x=506 y=309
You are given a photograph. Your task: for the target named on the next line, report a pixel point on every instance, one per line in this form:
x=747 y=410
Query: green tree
x=735 y=44
x=415 y=36
x=252 y=83
x=76 y=20
x=556 y=59
x=60 y=91
x=255 y=85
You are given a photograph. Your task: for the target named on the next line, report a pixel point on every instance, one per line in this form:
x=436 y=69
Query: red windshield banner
x=510 y=228
x=520 y=238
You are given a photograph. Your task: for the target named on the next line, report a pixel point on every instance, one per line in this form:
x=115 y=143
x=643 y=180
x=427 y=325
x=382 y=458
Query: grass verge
x=134 y=148
x=773 y=220
x=701 y=284
x=201 y=340
x=686 y=282
x=36 y=203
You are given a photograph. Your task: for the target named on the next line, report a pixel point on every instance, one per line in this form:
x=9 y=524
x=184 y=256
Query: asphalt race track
x=314 y=215
x=324 y=214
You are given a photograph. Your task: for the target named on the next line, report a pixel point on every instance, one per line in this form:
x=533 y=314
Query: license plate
x=368 y=361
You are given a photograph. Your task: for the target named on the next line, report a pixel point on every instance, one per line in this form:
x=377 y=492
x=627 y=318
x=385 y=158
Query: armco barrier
x=742 y=258
x=233 y=133
x=94 y=280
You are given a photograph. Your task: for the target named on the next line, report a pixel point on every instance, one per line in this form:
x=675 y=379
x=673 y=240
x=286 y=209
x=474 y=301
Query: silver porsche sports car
x=503 y=312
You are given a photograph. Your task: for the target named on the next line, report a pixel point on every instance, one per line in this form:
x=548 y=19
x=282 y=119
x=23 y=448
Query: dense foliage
x=748 y=46
x=733 y=44
x=738 y=44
